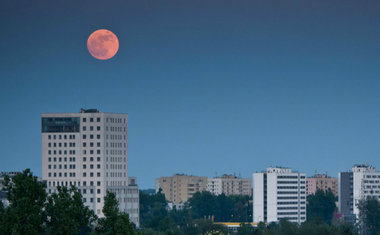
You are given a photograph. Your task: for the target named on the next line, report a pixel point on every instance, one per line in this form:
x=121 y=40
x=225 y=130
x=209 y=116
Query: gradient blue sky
x=210 y=86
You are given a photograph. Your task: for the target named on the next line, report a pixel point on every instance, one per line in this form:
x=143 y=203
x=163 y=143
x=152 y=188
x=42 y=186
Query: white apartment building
x=362 y=182
x=89 y=150
x=229 y=185
x=279 y=193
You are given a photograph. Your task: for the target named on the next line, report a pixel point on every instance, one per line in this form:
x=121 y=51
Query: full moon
x=103 y=44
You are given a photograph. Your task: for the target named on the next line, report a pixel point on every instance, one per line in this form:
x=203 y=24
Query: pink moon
x=103 y=44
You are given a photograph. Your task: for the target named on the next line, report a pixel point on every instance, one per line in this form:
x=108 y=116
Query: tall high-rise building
x=321 y=182
x=279 y=193
x=361 y=183
x=89 y=150
x=179 y=187
x=229 y=185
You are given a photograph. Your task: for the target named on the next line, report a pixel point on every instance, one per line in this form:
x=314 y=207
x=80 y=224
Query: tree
x=67 y=214
x=114 y=222
x=245 y=229
x=153 y=213
x=369 y=216
x=26 y=196
x=321 y=206
x=203 y=204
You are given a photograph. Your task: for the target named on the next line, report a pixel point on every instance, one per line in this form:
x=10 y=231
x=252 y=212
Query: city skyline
x=235 y=85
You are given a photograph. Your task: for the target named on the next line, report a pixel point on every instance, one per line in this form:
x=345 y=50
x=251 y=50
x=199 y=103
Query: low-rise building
x=180 y=187
x=229 y=185
x=3 y=194
x=321 y=182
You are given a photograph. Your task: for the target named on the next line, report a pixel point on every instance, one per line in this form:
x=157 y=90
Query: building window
x=84 y=174
x=91 y=119
x=84 y=128
x=98 y=119
x=84 y=137
x=98 y=137
x=91 y=136
x=98 y=128
x=84 y=119
x=84 y=144
x=98 y=199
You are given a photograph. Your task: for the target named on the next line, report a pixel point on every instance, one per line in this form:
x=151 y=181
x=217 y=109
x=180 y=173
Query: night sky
x=211 y=87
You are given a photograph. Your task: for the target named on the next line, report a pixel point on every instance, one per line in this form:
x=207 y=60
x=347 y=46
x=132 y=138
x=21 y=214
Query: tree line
x=203 y=209
x=32 y=211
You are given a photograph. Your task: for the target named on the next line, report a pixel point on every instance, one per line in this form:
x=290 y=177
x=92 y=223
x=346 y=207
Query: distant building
x=229 y=185
x=321 y=182
x=89 y=150
x=360 y=183
x=279 y=193
x=180 y=187
x=3 y=194
x=8 y=173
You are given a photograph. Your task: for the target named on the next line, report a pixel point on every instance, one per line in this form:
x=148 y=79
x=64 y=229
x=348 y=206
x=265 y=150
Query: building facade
x=89 y=150
x=279 y=193
x=229 y=185
x=361 y=183
x=321 y=182
x=180 y=187
x=3 y=194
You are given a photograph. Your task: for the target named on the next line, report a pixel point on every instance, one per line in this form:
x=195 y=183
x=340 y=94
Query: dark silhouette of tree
x=369 y=216
x=321 y=206
x=26 y=196
x=67 y=214
x=114 y=222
